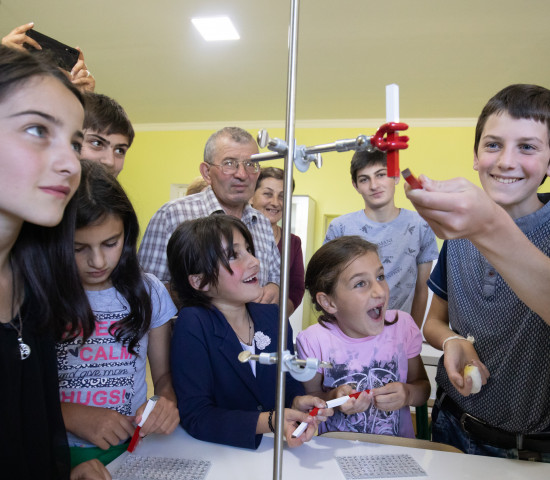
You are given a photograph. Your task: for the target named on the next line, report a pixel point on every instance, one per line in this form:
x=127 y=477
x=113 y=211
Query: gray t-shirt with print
x=403 y=243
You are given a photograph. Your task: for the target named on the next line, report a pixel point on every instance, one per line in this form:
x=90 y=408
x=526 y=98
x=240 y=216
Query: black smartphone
x=65 y=56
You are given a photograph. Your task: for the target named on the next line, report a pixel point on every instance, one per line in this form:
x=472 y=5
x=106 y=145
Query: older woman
x=268 y=199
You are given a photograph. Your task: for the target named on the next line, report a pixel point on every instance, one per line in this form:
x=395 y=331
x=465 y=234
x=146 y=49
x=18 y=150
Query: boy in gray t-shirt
x=406 y=244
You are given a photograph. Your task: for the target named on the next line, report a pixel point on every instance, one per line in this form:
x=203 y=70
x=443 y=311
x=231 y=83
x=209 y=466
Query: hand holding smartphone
x=65 y=56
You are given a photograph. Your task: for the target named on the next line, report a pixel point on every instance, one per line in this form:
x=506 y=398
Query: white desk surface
x=317 y=458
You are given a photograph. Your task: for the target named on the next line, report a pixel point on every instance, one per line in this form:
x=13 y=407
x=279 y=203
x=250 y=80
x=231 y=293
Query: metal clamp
x=273 y=144
x=302 y=370
x=385 y=139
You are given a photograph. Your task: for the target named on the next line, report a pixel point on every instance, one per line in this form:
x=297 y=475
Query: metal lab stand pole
x=287 y=209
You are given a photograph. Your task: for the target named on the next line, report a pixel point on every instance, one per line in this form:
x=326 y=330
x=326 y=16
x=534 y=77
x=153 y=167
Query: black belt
x=535 y=442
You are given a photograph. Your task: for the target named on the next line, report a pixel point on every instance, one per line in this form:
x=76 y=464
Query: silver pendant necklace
x=249 y=331
x=24 y=349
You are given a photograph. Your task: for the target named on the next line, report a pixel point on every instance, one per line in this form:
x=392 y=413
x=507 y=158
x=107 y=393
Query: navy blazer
x=219 y=398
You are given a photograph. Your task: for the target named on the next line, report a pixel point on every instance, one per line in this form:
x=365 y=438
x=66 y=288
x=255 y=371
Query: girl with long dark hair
x=41 y=117
x=102 y=380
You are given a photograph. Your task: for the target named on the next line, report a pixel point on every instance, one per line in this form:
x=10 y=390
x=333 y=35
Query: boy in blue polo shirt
x=480 y=317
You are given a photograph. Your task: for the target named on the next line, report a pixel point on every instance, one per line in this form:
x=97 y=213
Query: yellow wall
x=159 y=158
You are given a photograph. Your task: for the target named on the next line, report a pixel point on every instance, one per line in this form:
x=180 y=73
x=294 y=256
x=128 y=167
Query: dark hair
x=17 y=67
x=195 y=248
x=326 y=265
x=363 y=159
x=272 y=172
x=44 y=256
x=105 y=115
x=519 y=101
x=237 y=134
x=98 y=196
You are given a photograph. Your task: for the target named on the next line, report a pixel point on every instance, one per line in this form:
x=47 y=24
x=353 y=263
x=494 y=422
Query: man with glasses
x=231 y=177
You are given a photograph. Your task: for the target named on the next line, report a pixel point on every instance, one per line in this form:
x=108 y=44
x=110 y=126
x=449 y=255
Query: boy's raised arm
x=458 y=209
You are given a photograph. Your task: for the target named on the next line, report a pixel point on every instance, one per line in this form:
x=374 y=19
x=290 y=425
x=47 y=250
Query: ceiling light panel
x=215 y=29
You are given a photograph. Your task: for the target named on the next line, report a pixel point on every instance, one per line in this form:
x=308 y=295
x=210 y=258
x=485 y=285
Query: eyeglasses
x=229 y=167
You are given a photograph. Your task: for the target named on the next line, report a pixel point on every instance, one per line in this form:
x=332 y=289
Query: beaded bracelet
x=270 y=421
x=469 y=338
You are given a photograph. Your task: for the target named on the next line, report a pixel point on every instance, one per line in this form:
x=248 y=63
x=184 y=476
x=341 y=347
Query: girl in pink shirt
x=373 y=350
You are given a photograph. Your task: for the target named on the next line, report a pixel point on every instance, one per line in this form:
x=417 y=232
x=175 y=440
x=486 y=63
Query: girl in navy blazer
x=215 y=274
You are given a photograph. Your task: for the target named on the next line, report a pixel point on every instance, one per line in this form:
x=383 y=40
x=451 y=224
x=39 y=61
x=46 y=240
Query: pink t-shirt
x=367 y=363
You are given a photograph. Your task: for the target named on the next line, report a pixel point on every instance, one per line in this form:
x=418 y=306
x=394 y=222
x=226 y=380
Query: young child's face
x=241 y=286
x=360 y=299
x=40 y=136
x=374 y=185
x=97 y=251
x=109 y=150
x=512 y=158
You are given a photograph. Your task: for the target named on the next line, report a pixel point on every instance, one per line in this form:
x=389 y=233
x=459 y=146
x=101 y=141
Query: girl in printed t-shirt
x=370 y=347
x=102 y=381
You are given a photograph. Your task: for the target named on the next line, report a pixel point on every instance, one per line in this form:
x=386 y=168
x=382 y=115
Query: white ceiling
x=448 y=57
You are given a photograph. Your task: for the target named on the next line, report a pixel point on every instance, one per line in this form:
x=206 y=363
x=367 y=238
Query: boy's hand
x=164 y=418
x=18 y=37
x=454 y=208
x=101 y=426
x=391 y=396
x=458 y=354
